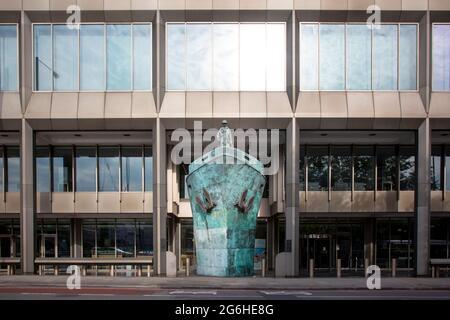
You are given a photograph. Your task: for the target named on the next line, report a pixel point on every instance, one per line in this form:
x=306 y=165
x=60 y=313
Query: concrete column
x=292 y=197
x=77 y=234
x=27 y=199
x=422 y=199
x=159 y=198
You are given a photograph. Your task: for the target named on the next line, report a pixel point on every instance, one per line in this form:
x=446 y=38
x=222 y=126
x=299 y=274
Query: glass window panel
x=341 y=168
x=447 y=167
x=385 y=57
x=118 y=56
x=2 y=166
x=226 y=56
x=8 y=58
x=106 y=239
x=359 y=57
x=65 y=58
x=176 y=56
x=86 y=164
x=252 y=57
x=187 y=237
x=408 y=57
x=400 y=242
x=89 y=232
x=125 y=235
x=13 y=165
x=436 y=154
x=142 y=56
x=317 y=158
x=108 y=169
x=144 y=238
x=407 y=161
x=275 y=57
x=132 y=168
x=148 y=169
x=331 y=54
x=199 y=55
x=42 y=169
x=62 y=169
x=302 y=169
x=63 y=239
x=441 y=57
x=386 y=168
x=309 y=53
x=92 y=57
x=184 y=171
x=439 y=238
x=383 y=243
x=42 y=56
x=364 y=168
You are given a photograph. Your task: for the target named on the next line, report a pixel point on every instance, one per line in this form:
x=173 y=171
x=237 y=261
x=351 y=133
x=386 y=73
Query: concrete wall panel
x=341 y=201
x=363 y=201
x=10 y=106
x=437 y=204
x=132 y=202
x=386 y=201
x=307 y=4
x=253 y=105
x=225 y=104
x=118 y=105
x=108 y=202
x=173 y=105
x=39 y=106
x=317 y=201
x=199 y=105
x=15 y=5
x=36 y=5
x=143 y=105
x=62 y=202
x=85 y=202
x=43 y=202
x=12 y=202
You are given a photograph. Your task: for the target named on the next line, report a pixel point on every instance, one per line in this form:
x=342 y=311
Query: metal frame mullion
x=375 y=163
x=329 y=172
x=397 y=170
x=306 y=173
x=4 y=172
x=352 y=152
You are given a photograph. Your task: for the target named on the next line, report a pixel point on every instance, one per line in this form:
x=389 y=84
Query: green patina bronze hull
x=225 y=200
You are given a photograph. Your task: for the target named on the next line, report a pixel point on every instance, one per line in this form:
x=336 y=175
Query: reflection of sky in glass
x=65 y=60
x=441 y=57
x=86 y=163
x=118 y=56
x=275 y=57
x=176 y=57
x=331 y=55
x=359 y=57
x=142 y=52
x=309 y=54
x=42 y=61
x=8 y=58
x=385 y=58
x=408 y=57
x=62 y=169
x=131 y=169
x=226 y=56
x=13 y=162
x=252 y=57
x=109 y=169
x=92 y=57
x=199 y=51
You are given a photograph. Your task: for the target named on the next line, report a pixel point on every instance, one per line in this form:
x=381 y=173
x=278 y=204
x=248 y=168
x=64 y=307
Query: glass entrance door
x=48 y=246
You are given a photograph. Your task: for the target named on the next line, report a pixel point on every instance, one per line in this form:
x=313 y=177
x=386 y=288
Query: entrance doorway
x=48 y=246
x=5 y=247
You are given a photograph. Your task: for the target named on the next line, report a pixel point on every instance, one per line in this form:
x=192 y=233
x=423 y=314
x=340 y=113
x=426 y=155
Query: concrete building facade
x=87 y=116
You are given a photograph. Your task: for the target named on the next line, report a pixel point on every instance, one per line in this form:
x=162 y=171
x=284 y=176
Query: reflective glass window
x=118 y=57
x=359 y=57
x=144 y=238
x=176 y=56
x=408 y=57
x=13 y=165
x=386 y=168
x=106 y=239
x=65 y=58
x=108 y=158
x=148 y=158
x=341 y=168
x=142 y=57
x=385 y=57
x=125 y=235
x=92 y=57
x=317 y=158
x=132 y=168
x=441 y=57
x=8 y=58
x=63 y=239
x=86 y=164
x=42 y=58
x=89 y=235
x=199 y=56
x=42 y=169
x=252 y=58
x=226 y=57
x=62 y=169
x=364 y=168
x=331 y=56
x=407 y=161
x=309 y=56
x=436 y=157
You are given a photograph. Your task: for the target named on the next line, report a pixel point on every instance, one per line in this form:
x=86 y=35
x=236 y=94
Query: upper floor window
x=441 y=57
x=10 y=169
x=358 y=57
x=226 y=56
x=97 y=57
x=9 y=80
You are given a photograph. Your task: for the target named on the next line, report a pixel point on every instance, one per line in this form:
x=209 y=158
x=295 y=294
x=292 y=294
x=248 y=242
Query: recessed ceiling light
x=444 y=134
x=126 y=135
x=324 y=134
x=372 y=134
x=77 y=135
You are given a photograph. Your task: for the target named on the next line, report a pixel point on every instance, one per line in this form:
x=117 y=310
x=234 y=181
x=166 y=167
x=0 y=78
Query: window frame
x=372 y=56
x=105 y=80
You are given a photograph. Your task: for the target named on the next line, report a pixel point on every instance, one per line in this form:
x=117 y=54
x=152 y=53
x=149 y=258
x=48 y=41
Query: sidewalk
x=256 y=283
